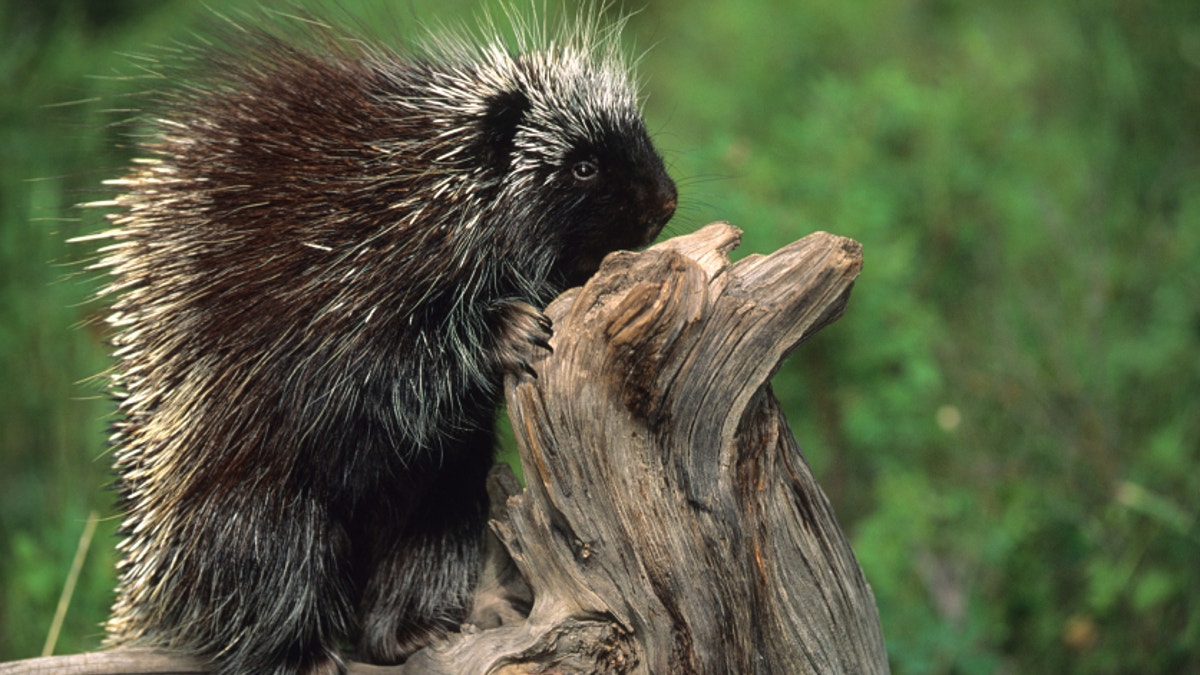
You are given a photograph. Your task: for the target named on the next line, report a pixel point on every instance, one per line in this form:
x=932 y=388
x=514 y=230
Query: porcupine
x=324 y=268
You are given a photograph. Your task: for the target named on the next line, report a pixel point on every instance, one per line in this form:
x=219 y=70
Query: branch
x=670 y=523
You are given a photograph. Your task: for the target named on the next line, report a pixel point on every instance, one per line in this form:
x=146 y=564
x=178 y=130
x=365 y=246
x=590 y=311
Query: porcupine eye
x=585 y=171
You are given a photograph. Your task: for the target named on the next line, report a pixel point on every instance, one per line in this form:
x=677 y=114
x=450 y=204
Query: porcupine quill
x=322 y=268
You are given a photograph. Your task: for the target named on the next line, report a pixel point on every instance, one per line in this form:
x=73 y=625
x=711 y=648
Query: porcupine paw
x=525 y=333
x=395 y=646
x=321 y=664
x=296 y=661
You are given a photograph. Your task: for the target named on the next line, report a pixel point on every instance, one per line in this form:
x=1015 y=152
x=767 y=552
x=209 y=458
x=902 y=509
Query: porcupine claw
x=523 y=327
x=543 y=339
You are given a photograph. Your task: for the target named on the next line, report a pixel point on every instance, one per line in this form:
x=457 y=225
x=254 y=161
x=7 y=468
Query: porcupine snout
x=667 y=198
x=657 y=199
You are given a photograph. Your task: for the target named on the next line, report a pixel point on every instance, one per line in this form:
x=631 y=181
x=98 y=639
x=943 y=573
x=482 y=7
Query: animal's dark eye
x=585 y=170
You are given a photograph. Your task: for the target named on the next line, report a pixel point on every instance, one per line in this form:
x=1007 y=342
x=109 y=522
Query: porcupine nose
x=662 y=203
x=668 y=199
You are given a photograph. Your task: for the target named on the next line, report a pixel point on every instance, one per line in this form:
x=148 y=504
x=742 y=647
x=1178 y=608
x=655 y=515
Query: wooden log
x=669 y=523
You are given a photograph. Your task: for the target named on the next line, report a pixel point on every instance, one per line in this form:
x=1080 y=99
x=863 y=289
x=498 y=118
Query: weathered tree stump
x=670 y=523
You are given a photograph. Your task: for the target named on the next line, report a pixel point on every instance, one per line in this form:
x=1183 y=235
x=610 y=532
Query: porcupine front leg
x=427 y=564
x=422 y=586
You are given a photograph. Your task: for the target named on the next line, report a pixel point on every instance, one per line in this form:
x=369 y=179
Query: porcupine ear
x=504 y=114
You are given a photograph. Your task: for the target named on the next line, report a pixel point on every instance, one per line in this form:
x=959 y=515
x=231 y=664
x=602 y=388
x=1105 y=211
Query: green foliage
x=51 y=426
x=1007 y=419
x=1007 y=416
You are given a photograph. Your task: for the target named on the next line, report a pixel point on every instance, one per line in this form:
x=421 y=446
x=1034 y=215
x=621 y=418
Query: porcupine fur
x=330 y=256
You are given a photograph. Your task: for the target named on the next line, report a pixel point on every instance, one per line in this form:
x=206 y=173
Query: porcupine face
x=613 y=194
x=578 y=165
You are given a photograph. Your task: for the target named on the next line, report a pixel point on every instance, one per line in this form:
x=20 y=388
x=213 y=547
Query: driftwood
x=669 y=523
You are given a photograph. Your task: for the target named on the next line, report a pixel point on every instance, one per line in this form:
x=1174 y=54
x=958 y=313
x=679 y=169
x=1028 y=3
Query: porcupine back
x=322 y=268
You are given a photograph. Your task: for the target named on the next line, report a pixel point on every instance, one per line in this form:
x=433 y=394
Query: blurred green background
x=1007 y=419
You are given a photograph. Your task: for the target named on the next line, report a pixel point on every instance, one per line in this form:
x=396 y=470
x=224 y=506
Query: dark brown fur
x=322 y=273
